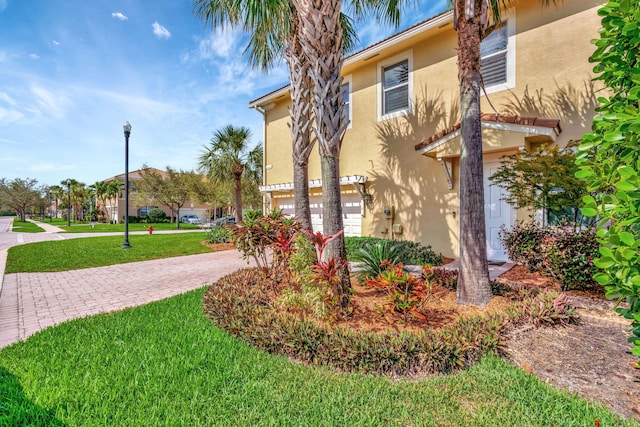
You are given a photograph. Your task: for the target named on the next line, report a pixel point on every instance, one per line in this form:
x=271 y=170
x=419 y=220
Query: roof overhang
x=434 y=23
x=540 y=128
x=314 y=183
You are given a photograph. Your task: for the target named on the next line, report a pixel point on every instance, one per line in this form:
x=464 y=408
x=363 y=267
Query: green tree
x=228 y=157
x=609 y=159
x=274 y=33
x=21 y=195
x=473 y=20
x=100 y=189
x=543 y=179
x=113 y=190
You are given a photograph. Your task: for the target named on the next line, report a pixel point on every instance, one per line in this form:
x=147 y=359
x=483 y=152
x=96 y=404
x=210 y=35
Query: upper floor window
x=498 y=57
x=395 y=87
x=493 y=57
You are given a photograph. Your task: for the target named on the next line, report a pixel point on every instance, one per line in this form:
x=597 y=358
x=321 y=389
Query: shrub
x=522 y=244
x=568 y=256
x=218 y=235
x=561 y=252
x=156 y=215
x=405 y=292
x=446 y=278
x=411 y=253
x=376 y=257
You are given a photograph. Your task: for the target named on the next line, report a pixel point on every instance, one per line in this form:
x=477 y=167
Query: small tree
x=609 y=159
x=543 y=179
x=20 y=195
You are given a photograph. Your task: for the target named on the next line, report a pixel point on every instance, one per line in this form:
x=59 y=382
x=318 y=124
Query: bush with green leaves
x=156 y=216
x=218 y=235
x=564 y=253
x=411 y=253
x=522 y=243
x=609 y=157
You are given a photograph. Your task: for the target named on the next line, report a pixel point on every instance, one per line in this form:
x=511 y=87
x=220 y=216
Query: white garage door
x=351 y=213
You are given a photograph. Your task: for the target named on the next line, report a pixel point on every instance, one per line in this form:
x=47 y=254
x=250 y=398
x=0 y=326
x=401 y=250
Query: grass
x=25 y=227
x=106 y=228
x=166 y=364
x=62 y=255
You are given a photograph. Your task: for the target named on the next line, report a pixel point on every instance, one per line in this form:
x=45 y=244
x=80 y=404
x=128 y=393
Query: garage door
x=351 y=213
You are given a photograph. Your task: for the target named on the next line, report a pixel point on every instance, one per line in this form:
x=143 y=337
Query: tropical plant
x=405 y=293
x=376 y=258
x=609 y=157
x=473 y=20
x=229 y=157
x=113 y=194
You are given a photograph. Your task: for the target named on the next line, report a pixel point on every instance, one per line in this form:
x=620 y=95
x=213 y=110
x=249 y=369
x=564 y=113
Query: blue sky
x=73 y=71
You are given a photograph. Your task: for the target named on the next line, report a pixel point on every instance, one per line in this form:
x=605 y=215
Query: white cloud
x=48 y=103
x=119 y=15
x=34 y=56
x=7 y=99
x=160 y=31
x=55 y=42
x=8 y=117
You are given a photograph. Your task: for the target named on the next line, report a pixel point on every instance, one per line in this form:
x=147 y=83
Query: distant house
x=399 y=163
x=139 y=207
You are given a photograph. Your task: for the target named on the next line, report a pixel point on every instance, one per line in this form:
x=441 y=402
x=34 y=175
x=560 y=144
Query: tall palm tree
x=228 y=157
x=274 y=29
x=100 y=189
x=473 y=20
x=113 y=194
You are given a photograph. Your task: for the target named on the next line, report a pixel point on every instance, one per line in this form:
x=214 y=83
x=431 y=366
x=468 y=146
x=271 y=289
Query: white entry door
x=497 y=213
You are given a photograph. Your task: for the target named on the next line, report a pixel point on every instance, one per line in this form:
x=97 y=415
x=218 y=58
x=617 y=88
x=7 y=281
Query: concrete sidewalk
x=31 y=302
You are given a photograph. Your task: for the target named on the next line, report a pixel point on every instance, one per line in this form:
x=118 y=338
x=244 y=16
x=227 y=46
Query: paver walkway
x=30 y=302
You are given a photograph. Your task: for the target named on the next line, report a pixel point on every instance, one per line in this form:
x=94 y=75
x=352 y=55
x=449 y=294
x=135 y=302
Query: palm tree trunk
x=473 y=281
x=238 y=181
x=300 y=127
x=321 y=41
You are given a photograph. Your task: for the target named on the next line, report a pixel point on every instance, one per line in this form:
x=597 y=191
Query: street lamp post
x=49 y=209
x=69 y=200
x=127 y=132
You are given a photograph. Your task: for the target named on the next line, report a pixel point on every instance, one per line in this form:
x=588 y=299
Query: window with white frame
x=395 y=88
x=497 y=57
x=493 y=57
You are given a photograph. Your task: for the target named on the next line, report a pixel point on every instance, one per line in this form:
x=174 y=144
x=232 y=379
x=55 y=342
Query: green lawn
x=166 y=364
x=25 y=227
x=62 y=255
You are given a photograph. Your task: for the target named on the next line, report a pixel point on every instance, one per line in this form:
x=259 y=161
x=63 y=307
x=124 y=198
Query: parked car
x=222 y=221
x=190 y=219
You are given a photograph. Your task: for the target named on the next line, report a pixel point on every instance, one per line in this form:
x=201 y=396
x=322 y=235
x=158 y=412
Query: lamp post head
x=127 y=128
x=68 y=182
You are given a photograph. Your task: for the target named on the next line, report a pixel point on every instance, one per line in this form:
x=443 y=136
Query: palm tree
x=274 y=30
x=228 y=157
x=473 y=20
x=112 y=194
x=100 y=189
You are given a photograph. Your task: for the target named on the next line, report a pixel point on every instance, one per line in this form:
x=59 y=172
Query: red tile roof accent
x=498 y=118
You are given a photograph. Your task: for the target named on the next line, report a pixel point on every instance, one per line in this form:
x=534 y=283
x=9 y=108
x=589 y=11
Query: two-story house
x=399 y=163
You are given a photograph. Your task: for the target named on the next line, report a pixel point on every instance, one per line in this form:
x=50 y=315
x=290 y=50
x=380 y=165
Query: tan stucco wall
x=552 y=80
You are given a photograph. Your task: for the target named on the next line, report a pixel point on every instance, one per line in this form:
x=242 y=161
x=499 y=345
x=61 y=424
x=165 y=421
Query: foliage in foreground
x=609 y=158
x=165 y=364
x=239 y=303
